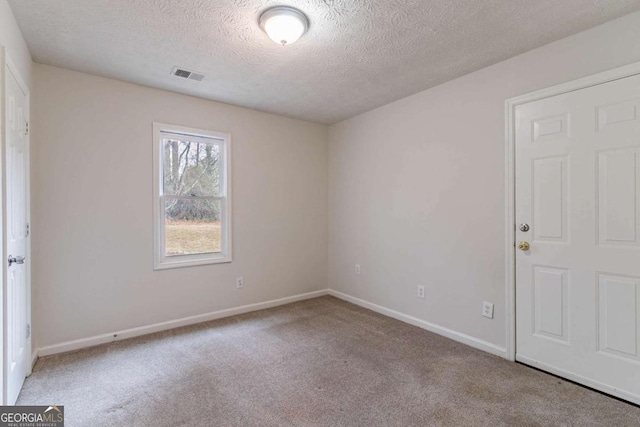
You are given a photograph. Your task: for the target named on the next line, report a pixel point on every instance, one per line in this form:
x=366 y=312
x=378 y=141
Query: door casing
x=510 y=199
x=5 y=62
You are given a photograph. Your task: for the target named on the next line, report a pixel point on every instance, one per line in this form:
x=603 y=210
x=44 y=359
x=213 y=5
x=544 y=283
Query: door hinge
x=28 y=330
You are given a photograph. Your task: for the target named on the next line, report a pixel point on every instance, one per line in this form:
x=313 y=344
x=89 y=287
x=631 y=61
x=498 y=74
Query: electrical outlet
x=357 y=268
x=487 y=309
x=239 y=282
x=420 y=291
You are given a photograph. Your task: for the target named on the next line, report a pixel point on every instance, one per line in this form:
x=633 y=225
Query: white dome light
x=284 y=25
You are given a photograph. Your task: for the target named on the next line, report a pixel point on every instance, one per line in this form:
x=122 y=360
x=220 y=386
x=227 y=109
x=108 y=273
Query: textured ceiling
x=357 y=55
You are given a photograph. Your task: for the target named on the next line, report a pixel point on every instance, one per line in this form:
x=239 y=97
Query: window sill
x=180 y=262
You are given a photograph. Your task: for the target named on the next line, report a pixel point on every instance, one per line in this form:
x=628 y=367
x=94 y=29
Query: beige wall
x=92 y=207
x=417 y=186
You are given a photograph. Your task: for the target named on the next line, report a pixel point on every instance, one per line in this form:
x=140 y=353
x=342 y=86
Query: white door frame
x=5 y=62
x=510 y=174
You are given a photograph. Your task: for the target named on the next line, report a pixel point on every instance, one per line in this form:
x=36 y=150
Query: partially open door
x=17 y=295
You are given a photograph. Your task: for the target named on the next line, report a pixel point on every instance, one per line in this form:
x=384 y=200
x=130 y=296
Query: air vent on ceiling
x=186 y=74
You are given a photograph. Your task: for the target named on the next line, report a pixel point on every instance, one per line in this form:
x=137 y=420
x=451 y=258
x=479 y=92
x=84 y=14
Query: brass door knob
x=524 y=246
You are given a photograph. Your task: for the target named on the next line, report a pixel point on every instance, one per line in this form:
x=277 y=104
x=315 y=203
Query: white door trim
x=510 y=219
x=3 y=374
x=5 y=61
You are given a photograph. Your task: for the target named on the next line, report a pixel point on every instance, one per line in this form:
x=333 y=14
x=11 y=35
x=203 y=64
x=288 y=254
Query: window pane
x=192 y=226
x=191 y=168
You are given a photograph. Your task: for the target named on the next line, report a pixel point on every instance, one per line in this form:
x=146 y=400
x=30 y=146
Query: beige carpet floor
x=322 y=362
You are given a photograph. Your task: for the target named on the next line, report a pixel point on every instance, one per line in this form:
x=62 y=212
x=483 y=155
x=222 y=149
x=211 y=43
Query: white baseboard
x=158 y=327
x=445 y=332
x=633 y=398
x=144 y=330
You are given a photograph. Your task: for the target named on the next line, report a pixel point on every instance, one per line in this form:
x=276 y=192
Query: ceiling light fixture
x=283 y=24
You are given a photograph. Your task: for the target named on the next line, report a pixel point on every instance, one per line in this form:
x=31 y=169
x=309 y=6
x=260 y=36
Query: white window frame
x=161 y=261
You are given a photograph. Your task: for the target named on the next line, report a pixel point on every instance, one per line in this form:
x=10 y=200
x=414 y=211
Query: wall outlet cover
x=357 y=268
x=420 y=291
x=239 y=282
x=487 y=309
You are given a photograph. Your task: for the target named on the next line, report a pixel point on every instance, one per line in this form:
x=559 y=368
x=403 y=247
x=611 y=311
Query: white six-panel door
x=578 y=190
x=17 y=357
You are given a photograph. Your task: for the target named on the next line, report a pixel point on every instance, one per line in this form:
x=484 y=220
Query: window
x=192 y=200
